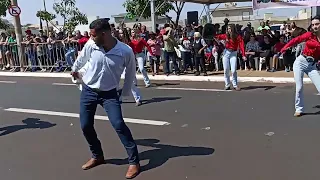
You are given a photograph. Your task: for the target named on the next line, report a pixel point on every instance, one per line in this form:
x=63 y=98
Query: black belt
x=231 y=50
x=97 y=90
x=309 y=59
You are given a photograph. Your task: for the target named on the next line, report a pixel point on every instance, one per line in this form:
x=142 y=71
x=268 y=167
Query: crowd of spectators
x=262 y=47
x=178 y=50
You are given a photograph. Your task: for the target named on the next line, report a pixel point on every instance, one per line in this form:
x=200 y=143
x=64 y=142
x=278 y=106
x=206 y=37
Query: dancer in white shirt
x=105 y=61
x=134 y=89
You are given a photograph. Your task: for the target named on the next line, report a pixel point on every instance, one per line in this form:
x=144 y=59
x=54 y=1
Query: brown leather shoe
x=237 y=89
x=93 y=163
x=298 y=114
x=133 y=171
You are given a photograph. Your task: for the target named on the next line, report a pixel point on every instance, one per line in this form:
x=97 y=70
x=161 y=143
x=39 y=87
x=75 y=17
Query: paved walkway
x=243 y=76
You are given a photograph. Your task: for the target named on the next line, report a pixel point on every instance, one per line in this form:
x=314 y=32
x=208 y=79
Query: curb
x=167 y=78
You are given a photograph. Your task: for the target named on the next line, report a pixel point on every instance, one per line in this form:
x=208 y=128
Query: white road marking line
x=63 y=84
x=193 y=89
x=75 y=115
x=8 y=82
x=161 y=88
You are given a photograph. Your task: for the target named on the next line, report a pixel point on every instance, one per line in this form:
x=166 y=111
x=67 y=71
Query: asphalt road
x=206 y=133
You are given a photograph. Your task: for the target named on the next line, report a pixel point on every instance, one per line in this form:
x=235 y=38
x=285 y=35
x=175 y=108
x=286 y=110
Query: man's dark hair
x=100 y=25
x=316 y=17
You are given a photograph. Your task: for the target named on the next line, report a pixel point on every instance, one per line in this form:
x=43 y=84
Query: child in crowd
x=155 y=45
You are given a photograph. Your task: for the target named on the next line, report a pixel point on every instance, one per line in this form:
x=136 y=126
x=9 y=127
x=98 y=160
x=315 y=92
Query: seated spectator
x=266 y=51
x=276 y=50
x=252 y=51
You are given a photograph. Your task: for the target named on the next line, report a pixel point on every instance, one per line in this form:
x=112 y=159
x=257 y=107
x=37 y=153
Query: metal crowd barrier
x=58 y=56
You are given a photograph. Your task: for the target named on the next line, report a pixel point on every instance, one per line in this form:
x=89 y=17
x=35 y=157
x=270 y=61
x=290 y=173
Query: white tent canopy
x=212 y=1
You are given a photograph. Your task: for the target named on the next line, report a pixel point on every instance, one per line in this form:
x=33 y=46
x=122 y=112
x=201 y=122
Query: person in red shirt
x=276 y=49
x=306 y=62
x=233 y=42
x=83 y=40
x=138 y=46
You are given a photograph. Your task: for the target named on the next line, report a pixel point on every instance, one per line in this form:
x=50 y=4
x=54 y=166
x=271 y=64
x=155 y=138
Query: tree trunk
x=177 y=19
x=170 y=19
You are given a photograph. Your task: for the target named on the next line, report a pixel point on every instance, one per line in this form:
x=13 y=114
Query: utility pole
x=153 y=15
x=208 y=13
x=45 y=9
x=18 y=31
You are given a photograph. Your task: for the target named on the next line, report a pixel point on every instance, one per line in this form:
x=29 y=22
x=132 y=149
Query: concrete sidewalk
x=243 y=76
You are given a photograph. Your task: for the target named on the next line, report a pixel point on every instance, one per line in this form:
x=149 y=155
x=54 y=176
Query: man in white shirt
x=105 y=59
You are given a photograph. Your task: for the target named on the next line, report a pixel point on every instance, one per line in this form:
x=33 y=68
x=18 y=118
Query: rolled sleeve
x=203 y=42
x=130 y=73
x=83 y=58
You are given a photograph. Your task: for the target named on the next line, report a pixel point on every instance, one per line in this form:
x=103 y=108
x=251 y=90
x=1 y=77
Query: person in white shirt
x=105 y=59
x=185 y=47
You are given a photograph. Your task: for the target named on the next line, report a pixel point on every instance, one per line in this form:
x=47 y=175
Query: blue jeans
x=186 y=57
x=301 y=66
x=173 y=56
x=229 y=60
x=70 y=56
x=32 y=58
x=141 y=59
x=135 y=91
x=110 y=101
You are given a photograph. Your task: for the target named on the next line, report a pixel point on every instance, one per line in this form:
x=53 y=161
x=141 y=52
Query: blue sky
x=104 y=8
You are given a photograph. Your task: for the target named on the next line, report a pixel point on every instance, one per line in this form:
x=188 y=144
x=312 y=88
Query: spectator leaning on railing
x=3 y=40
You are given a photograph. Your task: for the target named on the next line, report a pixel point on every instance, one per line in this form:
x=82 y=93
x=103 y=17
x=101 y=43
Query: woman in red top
x=138 y=46
x=125 y=38
x=233 y=42
x=306 y=62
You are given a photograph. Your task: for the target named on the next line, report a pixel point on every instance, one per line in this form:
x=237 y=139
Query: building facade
x=238 y=15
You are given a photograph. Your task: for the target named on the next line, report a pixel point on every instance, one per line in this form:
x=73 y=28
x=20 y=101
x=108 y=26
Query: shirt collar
x=116 y=50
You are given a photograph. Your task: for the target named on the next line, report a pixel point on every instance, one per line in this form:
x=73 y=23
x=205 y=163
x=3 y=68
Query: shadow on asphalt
x=165 y=84
x=159 y=99
x=29 y=123
x=266 y=88
x=155 y=100
x=162 y=153
x=317 y=106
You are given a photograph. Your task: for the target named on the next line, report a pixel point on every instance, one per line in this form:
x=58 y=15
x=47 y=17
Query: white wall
x=234 y=15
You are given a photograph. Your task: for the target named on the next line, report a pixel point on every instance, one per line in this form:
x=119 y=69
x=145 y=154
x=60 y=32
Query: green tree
x=4 y=4
x=135 y=7
x=45 y=16
x=70 y=14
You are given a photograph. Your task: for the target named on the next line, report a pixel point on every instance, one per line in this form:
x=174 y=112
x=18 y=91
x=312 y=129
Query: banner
x=264 y=4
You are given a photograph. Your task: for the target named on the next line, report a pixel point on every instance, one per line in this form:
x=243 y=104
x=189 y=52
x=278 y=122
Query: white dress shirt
x=103 y=69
